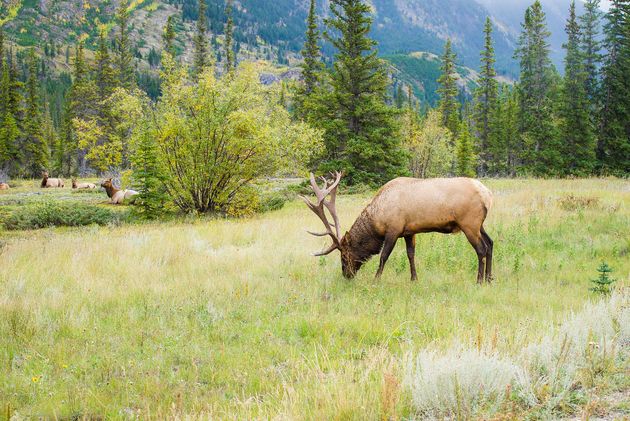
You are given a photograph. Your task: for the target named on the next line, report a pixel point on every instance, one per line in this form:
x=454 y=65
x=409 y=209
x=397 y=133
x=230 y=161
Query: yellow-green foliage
x=234 y=319
x=428 y=143
x=217 y=136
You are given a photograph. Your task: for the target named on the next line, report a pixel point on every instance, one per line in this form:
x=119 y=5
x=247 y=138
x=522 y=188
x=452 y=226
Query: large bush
x=53 y=214
x=215 y=137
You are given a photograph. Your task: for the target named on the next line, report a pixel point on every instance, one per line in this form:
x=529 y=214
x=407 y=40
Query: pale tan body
x=4 y=186
x=406 y=206
x=51 y=182
x=121 y=195
x=76 y=185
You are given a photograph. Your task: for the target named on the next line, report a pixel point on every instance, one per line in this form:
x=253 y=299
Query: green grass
x=234 y=319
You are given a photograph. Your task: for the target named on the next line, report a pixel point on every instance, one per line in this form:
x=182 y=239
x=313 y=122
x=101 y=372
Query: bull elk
x=402 y=208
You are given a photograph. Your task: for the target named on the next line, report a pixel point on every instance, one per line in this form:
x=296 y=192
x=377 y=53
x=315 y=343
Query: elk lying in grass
x=76 y=185
x=402 y=208
x=4 y=186
x=48 y=182
x=115 y=195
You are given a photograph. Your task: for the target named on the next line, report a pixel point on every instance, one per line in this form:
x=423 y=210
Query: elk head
x=349 y=263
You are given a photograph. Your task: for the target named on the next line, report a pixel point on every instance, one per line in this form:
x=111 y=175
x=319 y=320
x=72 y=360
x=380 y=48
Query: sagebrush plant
x=466 y=383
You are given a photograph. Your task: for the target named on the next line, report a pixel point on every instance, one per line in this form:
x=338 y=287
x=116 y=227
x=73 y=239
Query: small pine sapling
x=603 y=284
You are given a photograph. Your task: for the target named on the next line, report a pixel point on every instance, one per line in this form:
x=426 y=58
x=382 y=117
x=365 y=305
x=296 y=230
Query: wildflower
x=35 y=379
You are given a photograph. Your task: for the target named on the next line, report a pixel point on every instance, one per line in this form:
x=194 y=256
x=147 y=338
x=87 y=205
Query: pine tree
x=603 y=283
x=82 y=103
x=448 y=91
x=541 y=152
x=361 y=129
x=148 y=175
x=503 y=145
x=9 y=131
x=35 y=148
x=169 y=35
x=486 y=97
x=124 y=59
x=591 y=49
x=105 y=77
x=465 y=159
x=312 y=66
x=613 y=149
x=312 y=69
x=578 y=137
x=200 y=42
x=230 y=59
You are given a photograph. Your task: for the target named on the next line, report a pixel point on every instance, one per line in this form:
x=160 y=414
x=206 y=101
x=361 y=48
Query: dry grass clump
x=573 y=203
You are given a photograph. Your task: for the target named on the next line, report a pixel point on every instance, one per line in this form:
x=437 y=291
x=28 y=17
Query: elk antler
x=330 y=188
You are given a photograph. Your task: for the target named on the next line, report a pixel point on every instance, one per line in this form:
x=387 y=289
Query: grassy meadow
x=234 y=319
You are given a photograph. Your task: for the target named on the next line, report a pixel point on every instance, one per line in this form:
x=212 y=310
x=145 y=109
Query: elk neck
x=111 y=191
x=362 y=239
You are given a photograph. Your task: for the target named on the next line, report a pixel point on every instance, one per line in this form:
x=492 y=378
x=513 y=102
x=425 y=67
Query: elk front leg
x=388 y=246
x=410 y=241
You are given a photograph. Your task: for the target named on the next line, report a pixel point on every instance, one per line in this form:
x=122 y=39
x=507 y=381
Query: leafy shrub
x=52 y=214
x=575 y=203
x=272 y=202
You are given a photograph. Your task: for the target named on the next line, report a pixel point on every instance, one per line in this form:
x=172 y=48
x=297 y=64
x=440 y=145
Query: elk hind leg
x=490 y=248
x=476 y=241
x=388 y=246
x=410 y=241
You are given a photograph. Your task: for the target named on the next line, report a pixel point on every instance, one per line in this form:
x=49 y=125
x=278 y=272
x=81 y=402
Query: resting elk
x=51 y=182
x=4 y=186
x=402 y=208
x=115 y=195
x=76 y=185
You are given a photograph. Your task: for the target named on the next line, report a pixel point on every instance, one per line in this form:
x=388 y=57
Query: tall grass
x=233 y=319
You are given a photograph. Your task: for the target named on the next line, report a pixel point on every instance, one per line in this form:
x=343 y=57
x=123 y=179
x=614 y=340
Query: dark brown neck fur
x=362 y=239
x=111 y=190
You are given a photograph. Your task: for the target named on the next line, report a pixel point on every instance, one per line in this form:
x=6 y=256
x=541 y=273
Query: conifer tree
x=312 y=69
x=613 y=149
x=169 y=35
x=578 y=139
x=312 y=66
x=105 y=77
x=591 y=49
x=200 y=41
x=35 y=148
x=465 y=159
x=486 y=99
x=361 y=129
x=541 y=152
x=124 y=59
x=448 y=105
x=230 y=59
x=503 y=145
x=9 y=131
x=147 y=175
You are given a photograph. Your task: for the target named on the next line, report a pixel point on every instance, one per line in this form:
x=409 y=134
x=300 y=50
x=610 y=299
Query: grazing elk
x=76 y=185
x=48 y=182
x=4 y=186
x=402 y=208
x=115 y=195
